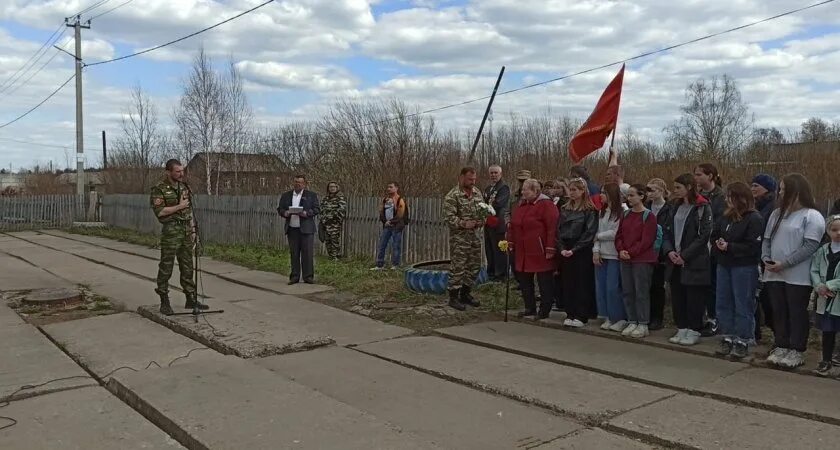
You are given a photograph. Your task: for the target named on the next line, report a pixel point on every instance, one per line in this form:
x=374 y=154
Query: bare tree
x=715 y=122
x=201 y=114
x=137 y=151
x=239 y=114
x=816 y=130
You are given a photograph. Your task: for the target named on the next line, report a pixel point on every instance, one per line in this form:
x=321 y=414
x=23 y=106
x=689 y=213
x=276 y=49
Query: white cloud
x=290 y=76
x=435 y=53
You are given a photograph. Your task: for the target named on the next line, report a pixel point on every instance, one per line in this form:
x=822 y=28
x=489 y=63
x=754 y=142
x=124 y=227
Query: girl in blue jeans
x=605 y=257
x=736 y=239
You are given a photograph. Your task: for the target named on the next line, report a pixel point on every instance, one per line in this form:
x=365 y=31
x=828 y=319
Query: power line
x=36 y=72
x=110 y=10
x=41 y=144
x=182 y=38
x=10 y=80
x=38 y=105
x=90 y=8
x=582 y=72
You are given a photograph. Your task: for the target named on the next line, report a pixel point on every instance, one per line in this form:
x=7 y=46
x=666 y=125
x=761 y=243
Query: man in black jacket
x=496 y=195
x=299 y=207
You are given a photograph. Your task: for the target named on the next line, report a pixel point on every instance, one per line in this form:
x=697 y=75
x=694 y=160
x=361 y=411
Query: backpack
x=657 y=244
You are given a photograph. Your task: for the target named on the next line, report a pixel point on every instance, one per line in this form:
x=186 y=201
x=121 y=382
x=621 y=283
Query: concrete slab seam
x=102 y=263
x=692 y=392
x=145 y=409
x=225 y=349
x=22 y=259
x=655 y=440
x=557 y=438
x=587 y=420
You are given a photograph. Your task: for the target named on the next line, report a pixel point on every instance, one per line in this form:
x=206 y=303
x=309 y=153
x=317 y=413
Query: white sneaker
x=676 y=338
x=691 y=337
x=567 y=323
x=606 y=325
x=793 y=359
x=376 y=268
x=777 y=355
x=576 y=324
x=618 y=326
x=640 y=332
x=630 y=328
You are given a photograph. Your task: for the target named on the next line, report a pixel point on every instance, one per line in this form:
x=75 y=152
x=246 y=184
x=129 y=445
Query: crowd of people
x=732 y=257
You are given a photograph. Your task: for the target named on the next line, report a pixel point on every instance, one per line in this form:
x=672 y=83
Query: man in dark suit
x=497 y=195
x=299 y=207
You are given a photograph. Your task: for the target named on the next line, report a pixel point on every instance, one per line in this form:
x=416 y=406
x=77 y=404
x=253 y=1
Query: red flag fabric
x=600 y=123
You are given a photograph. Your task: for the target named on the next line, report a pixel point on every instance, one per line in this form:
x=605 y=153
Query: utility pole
x=104 y=153
x=80 y=149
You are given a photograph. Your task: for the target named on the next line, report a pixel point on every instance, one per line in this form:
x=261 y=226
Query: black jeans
x=711 y=293
x=546 y=283
x=689 y=302
x=763 y=312
x=578 y=274
x=302 y=248
x=657 y=294
x=496 y=261
x=790 y=314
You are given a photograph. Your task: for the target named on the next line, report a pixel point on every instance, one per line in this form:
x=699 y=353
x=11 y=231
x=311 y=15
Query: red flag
x=600 y=123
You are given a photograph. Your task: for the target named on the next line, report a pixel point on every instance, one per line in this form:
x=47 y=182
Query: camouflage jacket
x=163 y=195
x=333 y=209
x=457 y=207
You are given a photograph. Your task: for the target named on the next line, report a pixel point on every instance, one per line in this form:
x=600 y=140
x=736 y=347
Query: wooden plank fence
x=254 y=220
x=30 y=212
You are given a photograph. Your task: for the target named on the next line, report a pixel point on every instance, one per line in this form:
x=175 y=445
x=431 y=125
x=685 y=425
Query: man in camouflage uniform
x=170 y=200
x=333 y=212
x=462 y=214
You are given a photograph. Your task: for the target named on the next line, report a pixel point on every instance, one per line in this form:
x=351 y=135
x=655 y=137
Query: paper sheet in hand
x=295 y=210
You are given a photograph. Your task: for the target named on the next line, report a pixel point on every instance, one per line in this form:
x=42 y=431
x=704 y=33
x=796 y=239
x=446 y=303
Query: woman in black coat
x=658 y=194
x=686 y=245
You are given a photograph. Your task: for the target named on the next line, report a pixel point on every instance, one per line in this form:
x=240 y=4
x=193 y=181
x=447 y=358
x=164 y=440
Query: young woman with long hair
x=736 y=244
x=575 y=236
x=710 y=186
x=635 y=242
x=793 y=234
x=658 y=195
x=605 y=258
x=686 y=244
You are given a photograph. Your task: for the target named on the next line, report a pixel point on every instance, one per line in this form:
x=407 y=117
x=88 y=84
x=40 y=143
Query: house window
x=227 y=184
x=277 y=180
x=262 y=182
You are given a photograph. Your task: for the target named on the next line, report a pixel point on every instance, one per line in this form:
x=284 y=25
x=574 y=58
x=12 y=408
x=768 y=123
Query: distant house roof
x=239 y=162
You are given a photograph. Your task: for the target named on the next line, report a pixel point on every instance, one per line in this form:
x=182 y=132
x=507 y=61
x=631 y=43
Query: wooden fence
x=254 y=220
x=28 y=212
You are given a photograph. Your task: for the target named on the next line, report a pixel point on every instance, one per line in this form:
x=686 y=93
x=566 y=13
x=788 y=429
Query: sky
x=299 y=56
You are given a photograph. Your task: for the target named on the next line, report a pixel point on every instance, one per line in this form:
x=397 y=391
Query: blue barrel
x=419 y=278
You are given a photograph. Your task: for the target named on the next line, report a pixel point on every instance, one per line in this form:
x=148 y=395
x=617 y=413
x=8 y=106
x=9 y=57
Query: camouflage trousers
x=333 y=239
x=465 y=254
x=175 y=243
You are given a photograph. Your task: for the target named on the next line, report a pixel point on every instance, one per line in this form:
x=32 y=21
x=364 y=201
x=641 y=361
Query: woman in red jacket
x=532 y=233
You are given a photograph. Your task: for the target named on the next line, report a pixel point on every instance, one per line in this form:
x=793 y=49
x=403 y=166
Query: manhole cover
x=54 y=297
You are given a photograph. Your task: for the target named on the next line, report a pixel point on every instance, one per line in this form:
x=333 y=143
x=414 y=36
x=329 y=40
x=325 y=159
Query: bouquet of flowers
x=487 y=214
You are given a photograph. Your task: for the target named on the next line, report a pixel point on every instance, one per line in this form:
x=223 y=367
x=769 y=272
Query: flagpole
x=613 y=157
x=486 y=113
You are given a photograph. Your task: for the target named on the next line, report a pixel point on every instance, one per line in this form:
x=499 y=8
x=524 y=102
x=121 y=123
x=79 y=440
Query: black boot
x=454 y=302
x=191 y=303
x=468 y=299
x=545 y=308
x=165 y=307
